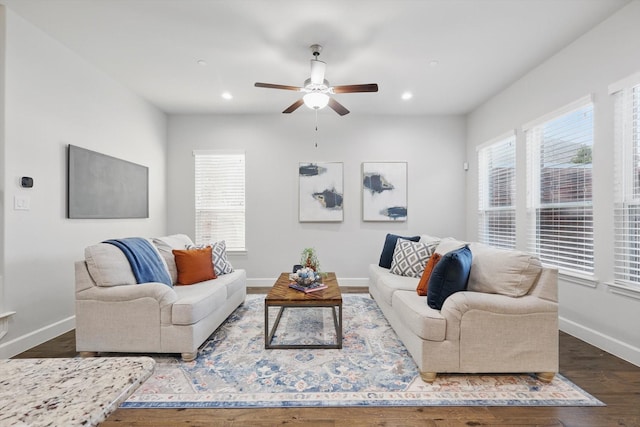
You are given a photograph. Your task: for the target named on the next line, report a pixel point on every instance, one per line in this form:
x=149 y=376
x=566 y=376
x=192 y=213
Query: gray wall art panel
x=101 y=186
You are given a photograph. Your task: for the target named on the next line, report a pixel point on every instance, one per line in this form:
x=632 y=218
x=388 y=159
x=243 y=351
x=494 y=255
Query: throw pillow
x=165 y=245
x=449 y=276
x=449 y=244
x=221 y=264
x=194 y=265
x=423 y=285
x=389 y=247
x=410 y=258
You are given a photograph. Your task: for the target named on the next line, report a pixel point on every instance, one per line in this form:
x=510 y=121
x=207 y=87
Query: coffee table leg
x=337 y=322
x=268 y=335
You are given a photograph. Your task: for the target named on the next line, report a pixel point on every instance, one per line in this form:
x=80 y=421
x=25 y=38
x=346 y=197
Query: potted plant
x=309 y=258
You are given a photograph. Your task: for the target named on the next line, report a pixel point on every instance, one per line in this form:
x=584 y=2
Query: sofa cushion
x=410 y=258
x=450 y=275
x=387 y=283
x=108 y=266
x=165 y=245
x=415 y=314
x=501 y=271
x=386 y=257
x=197 y=301
x=423 y=285
x=194 y=265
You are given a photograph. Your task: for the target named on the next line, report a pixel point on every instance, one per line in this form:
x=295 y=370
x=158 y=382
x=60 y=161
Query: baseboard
x=268 y=282
x=37 y=337
x=616 y=347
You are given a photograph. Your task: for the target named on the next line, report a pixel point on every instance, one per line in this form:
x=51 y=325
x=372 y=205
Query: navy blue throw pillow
x=449 y=276
x=389 y=246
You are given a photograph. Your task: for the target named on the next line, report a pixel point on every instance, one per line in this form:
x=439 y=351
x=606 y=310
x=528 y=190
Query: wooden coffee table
x=281 y=295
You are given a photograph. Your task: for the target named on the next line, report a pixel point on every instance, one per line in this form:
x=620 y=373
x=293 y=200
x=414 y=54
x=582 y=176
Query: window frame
x=626 y=191
x=572 y=261
x=485 y=155
x=234 y=236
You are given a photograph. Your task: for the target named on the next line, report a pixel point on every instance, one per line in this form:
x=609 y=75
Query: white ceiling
x=152 y=46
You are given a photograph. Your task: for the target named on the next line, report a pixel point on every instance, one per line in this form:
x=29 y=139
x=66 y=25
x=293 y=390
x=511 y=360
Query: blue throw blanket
x=145 y=261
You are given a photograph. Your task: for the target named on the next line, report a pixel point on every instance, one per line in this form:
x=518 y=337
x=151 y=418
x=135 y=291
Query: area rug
x=233 y=369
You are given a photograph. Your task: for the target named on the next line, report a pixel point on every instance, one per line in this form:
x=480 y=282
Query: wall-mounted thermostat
x=26 y=182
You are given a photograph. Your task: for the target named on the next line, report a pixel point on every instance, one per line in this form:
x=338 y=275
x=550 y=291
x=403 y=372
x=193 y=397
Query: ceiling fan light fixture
x=316 y=100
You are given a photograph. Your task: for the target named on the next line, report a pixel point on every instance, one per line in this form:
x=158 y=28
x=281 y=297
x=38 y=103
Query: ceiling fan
x=317 y=90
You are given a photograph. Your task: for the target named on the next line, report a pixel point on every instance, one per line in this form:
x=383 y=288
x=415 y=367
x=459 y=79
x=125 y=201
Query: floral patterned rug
x=233 y=369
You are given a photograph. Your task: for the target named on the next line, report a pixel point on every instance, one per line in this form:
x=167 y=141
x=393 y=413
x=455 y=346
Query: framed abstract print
x=384 y=191
x=321 y=190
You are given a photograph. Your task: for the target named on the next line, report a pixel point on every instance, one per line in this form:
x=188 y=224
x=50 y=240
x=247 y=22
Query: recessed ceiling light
x=434 y=63
x=226 y=95
x=201 y=62
x=407 y=95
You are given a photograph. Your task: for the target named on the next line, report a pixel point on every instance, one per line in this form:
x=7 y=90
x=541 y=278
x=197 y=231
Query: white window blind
x=220 y=198
x=559 y=185
x=497 y=193
x=627 y=185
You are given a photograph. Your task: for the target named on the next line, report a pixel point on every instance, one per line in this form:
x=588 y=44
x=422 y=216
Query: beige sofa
x=114 y=314
x=505 y=322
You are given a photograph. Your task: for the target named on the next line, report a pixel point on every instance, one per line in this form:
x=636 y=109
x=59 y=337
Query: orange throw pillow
x=423 y=285
x=194 y=265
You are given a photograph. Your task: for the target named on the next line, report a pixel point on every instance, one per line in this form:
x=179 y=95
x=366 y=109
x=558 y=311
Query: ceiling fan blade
x=371 y=87
x=274 y=86
x=337 y=107
x=293 y=107
x=317 y=71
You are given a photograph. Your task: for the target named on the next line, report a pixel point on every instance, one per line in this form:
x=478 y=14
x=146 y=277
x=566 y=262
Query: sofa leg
x=428 y=377
x=84 y=354
x=545 y=377
x=190 y=356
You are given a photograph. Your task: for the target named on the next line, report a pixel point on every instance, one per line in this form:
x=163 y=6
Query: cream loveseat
x=114 y=314
x=506 y=321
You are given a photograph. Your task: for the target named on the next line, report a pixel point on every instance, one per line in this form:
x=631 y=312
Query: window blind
x=627 y=185
x=497 y=193
x=220 y=198
x=559 y=175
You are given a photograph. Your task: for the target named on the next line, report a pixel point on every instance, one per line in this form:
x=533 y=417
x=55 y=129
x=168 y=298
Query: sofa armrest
x=158 y=291
x=462 y=302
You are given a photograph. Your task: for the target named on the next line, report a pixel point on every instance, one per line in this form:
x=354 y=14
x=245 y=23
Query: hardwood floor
x=610 y=379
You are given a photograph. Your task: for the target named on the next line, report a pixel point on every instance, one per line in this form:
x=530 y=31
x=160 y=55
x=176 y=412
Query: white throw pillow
x=108 y=265
x=166 y=245
x=449 y=244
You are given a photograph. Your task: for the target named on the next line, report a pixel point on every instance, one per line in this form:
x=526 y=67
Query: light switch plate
x=21 y=203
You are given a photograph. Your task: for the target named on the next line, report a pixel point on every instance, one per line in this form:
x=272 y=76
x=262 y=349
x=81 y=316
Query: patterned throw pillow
x=410 y=258
x=221 y=264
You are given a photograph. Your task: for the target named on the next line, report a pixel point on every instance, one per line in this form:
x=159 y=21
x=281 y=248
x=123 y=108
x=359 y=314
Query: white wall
x=54 y=98
x=434 y=148
x=604 y=55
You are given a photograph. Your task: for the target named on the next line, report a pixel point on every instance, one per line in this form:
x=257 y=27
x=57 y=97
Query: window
x=560 y=210
x=627 y=183
x=220 y=201
x=497 y=193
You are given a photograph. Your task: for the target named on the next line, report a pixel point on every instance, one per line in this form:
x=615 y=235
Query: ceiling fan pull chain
x=316 y=128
